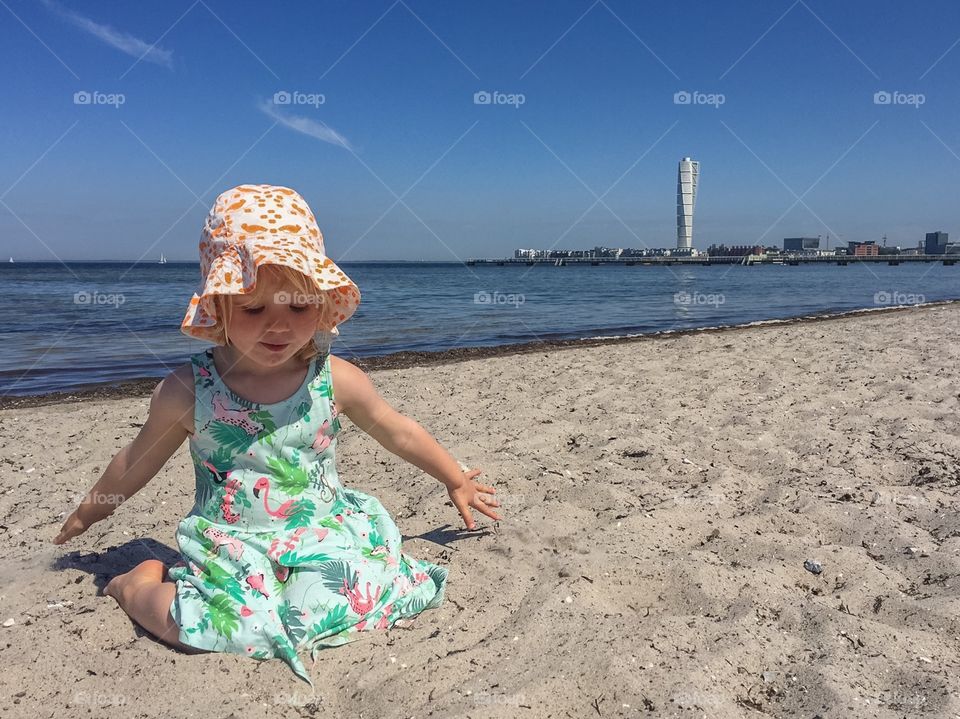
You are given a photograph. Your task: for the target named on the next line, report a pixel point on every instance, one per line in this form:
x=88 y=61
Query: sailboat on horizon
x=163 y=259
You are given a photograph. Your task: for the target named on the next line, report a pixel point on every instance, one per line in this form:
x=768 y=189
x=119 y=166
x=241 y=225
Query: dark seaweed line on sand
x=403 y=360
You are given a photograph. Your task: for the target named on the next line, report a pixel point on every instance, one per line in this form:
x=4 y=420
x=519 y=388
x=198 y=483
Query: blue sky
x=588 y=158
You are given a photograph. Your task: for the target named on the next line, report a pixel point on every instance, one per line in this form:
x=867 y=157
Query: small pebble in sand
x=813 y=566
x=568 y=599
x=10 y=622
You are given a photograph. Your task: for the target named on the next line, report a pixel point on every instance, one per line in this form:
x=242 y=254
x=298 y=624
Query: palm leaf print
x=374 y=537
x=331 y=523
x=283 y=647
x=206 y=543
x=205 y=491
x=335 y=574
x=290 y=616
x=289 y=478
x=301 y=514
x=231 y=437
x=293 y=558
x=325 y=389
x=224 y=580
x=424 y=599
x=332 y=622
x=266 y=419
x=222 y=459
x=223 y=616
x=303 y=411
x=438 y=574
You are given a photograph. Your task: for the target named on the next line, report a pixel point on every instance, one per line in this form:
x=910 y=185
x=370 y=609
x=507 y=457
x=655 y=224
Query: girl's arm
x=357 y=398
x=170 y=421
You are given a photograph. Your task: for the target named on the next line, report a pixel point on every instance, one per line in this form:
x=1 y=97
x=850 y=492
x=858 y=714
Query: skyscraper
x=687 y=175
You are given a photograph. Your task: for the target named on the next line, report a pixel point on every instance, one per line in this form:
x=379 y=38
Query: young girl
x=277 y=555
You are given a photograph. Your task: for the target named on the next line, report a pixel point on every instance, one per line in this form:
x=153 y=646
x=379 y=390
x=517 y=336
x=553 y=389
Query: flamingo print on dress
x=277 y=547
x=358 y=603
x=323 y=438
x=281 y=512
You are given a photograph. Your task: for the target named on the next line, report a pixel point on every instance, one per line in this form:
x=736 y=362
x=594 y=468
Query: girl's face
x=271 y=324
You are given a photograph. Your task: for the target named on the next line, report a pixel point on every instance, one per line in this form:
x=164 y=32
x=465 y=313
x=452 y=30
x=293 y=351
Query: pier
x=748 y=260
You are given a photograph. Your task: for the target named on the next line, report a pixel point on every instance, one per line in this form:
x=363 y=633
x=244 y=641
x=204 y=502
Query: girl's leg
x=144 y=595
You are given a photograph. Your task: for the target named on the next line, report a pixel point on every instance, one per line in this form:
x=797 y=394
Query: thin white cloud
x=118 y=39
x=305 y=125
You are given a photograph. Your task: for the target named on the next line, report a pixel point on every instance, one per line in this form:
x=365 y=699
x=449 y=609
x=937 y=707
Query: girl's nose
x=279 y=320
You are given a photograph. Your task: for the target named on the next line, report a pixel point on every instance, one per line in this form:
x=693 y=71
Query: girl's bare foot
x=146 y=597
x=122 y=586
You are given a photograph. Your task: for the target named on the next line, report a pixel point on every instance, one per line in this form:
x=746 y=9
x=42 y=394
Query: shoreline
x=141 y=387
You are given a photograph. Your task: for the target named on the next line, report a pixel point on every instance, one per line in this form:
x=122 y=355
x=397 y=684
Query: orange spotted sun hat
x=254 y=225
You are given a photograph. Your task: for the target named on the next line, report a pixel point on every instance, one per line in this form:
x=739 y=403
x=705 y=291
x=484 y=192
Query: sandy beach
x=660 y=500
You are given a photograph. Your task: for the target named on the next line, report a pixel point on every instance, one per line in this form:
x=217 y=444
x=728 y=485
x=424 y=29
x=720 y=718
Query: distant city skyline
x=504 y=126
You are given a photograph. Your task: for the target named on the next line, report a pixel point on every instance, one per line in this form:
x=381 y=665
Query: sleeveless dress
x=277 y=555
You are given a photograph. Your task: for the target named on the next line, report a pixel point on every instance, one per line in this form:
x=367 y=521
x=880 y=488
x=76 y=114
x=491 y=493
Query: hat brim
x=235 y=273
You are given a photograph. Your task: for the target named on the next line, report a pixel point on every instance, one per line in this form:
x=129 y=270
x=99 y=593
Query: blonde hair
x=289 y=279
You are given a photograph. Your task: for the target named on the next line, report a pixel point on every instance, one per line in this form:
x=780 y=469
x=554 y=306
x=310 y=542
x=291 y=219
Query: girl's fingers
x=489 y=512
x=464 y=511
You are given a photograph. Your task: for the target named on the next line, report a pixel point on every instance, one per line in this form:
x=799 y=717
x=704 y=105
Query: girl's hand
x=71 y=528
x=473 y=494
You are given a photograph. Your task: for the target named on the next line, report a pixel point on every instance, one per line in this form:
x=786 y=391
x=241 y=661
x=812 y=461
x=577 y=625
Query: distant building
x=801 y=244
x=936 y=243
x=688 y=175
x=863 y=249
x=735 y=250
